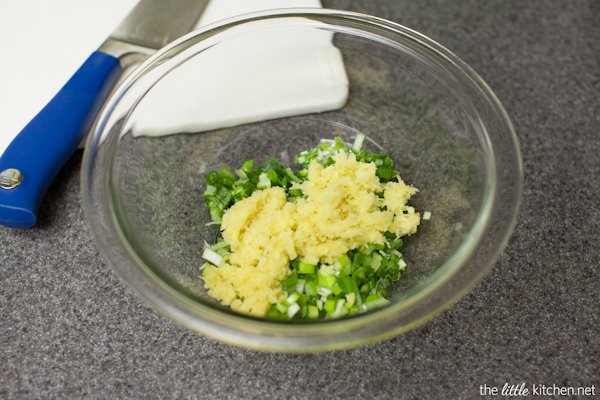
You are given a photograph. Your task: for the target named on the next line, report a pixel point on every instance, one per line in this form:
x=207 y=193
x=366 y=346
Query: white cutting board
x=45 y=42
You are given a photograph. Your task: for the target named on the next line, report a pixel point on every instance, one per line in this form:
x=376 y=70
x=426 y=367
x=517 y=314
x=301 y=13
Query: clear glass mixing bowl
x=258 y=85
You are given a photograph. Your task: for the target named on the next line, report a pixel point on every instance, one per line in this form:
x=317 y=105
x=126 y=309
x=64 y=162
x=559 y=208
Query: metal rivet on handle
x=10 y=178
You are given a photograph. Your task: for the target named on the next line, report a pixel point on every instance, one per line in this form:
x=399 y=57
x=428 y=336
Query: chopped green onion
x=310 y=288
x=219 y=245
x=396 y=253
x=227 y=176
x=304 y=268
x=402 y=264
x=339 y=309
x=351 y=298
x=384 y=173
x=247 y=167
x=212 y=257
x=329 y=306
x=210 y=190
x=281 y=307
x=263 y=181
x=326 y=270
x=380 y=301
x=326 y=281
x=300 y=285
x=303 y=312
x=292 y=310
x=313 y=312
x=336 y=290
x=241 y=174
x=272 y=175
x=216 y=214
x=213 y=178
x=292 y=176
x=291 y=299
x=376 y=261
x=365 y=288
x=290 y=281
x=371 y=298
x=358 y=142
x=296 y=192
x=344 y=260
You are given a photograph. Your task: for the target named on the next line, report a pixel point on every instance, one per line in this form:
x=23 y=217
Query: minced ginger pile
x=340 y=212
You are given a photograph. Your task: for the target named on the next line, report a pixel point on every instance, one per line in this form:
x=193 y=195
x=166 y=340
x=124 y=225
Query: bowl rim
x=225 y=327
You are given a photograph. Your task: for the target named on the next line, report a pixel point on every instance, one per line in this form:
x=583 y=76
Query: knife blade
x=36 y=155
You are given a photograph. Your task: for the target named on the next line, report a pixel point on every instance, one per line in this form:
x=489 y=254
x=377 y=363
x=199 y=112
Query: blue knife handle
x=43 y=147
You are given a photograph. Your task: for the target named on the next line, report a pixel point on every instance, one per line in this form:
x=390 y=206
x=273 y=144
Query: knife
x=40 y=150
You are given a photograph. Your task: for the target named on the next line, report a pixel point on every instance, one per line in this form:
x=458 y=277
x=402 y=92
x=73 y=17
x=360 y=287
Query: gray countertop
x=70 y=329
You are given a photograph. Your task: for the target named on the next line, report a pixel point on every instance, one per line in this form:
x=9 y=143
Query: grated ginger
x=340 y=212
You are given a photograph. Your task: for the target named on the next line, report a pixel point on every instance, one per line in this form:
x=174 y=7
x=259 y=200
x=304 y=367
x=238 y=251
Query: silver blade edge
x=153 y=24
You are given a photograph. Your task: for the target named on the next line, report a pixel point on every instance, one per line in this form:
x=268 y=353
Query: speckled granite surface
x=70 y=329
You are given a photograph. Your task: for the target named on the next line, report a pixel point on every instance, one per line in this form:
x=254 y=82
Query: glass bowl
x=276 y=83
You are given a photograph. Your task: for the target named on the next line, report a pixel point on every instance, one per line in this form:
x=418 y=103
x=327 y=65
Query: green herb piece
x=304 y=268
